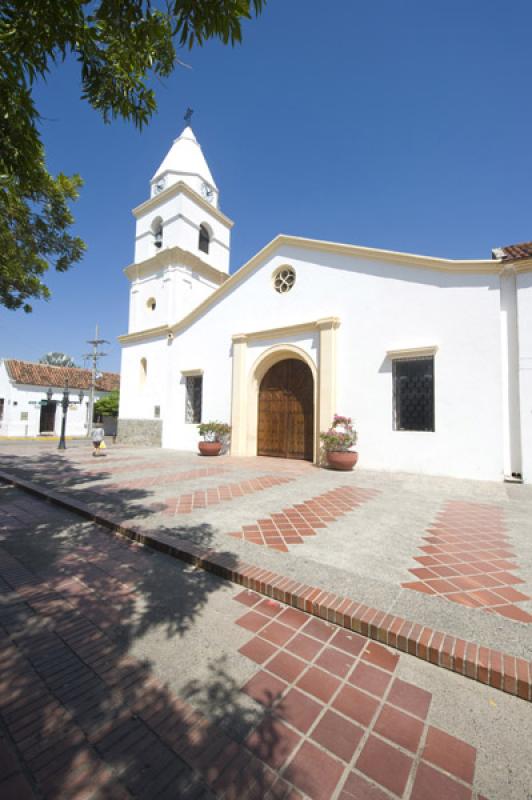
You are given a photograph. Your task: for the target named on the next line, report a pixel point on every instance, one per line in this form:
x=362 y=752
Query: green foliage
x=214 y=431
x=121 y=45
x=57 y=360
x=108 y=405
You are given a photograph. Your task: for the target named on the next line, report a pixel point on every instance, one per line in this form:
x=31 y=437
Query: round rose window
x=284 y=279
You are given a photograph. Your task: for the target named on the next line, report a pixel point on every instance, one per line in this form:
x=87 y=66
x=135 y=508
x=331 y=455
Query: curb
x=491 y=667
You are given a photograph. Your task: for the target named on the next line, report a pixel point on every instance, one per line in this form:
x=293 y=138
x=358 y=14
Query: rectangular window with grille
x=194 y=391
x=413 y=389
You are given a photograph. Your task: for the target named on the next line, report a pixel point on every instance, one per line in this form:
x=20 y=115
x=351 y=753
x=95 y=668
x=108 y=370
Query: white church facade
x=431 y=357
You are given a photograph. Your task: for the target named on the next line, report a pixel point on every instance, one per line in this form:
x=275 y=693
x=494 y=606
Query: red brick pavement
x=293 y=524
x=81 y=720
x=85 y=721
x=468 y=558
x=202 y=498
x=495 y=668
x=338 y=715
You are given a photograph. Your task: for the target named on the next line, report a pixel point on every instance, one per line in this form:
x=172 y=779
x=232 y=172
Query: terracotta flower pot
x=342 y=459
x=210 y=448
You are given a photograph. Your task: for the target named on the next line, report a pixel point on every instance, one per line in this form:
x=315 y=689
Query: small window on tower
x=143 y=371
x=204 y=239
x=152 y=304
x=157 y=230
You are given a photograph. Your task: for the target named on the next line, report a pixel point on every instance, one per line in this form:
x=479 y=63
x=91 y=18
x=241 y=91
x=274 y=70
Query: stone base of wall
x=140 y=432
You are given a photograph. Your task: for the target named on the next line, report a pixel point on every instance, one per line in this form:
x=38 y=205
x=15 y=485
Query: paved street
x=126 y=673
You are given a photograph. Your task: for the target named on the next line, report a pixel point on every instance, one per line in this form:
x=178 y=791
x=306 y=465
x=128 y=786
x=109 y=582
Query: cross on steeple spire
x=188 y=115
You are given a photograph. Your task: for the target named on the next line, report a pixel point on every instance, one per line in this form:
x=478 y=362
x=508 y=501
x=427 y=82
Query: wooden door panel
x=47 y=419
x=286 y=411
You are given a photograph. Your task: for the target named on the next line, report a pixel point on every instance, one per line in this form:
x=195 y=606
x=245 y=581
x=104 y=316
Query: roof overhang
x=517 y=265
x=181 y=188
x=167 y=257
x=149 y=333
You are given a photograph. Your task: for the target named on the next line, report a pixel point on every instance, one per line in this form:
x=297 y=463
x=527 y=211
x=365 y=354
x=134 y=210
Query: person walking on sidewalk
x=98 y=435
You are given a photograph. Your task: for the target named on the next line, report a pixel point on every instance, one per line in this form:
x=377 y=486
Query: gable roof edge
x=489 y=266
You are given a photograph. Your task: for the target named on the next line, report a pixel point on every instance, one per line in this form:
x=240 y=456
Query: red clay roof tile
x=513 y=251
x=31 y=374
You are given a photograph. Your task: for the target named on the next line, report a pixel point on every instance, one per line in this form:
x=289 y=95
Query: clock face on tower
x=159 y=186
x=207 y=192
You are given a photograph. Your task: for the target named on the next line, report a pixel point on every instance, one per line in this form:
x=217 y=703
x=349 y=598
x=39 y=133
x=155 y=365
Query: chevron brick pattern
x=293 y=524
x=468 y=560
x=202 y=498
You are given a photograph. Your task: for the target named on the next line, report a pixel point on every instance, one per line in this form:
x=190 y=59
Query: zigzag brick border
x=491 y=667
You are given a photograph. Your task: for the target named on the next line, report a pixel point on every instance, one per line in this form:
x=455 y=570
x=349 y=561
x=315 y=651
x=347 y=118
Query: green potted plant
x=337 y=443
x=215 y=435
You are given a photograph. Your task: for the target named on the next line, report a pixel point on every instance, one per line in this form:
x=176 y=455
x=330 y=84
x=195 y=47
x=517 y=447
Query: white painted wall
x=176 y=290
x=21 y=401
x=181 y=218
x=382 y=306
x=524 y=305
x=138 y=397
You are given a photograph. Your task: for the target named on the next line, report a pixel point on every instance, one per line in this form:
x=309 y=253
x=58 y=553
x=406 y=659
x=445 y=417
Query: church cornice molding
x=180 y=188
x=168 y=257
x=148 y=333
x=517 y=266
x=422 y=262
x=325 y=323
x=462 y=267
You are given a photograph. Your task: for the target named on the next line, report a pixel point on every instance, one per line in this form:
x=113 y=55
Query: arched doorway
x=286 y=411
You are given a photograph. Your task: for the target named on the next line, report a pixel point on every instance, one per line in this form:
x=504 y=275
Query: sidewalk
x=454 y=556
x=127 y=674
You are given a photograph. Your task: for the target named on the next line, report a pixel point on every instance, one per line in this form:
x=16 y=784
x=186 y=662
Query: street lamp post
x=65 y=402
x=64 y=405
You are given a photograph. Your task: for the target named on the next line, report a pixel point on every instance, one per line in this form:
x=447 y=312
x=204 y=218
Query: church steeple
x=185 y=162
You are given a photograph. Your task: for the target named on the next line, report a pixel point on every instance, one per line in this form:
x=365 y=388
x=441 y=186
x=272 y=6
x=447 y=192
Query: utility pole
x=93 y=357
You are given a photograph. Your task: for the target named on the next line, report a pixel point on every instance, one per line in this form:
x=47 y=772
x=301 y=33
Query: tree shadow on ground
x=80 y=710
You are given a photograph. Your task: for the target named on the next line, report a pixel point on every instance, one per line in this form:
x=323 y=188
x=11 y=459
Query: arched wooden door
x=286 y=411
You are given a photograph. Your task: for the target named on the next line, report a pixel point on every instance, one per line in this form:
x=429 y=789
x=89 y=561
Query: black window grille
x=194 y=391
x=413 y=381
x=204 y=239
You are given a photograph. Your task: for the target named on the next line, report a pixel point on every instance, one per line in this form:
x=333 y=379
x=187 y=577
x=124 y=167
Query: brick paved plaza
x=125 y=672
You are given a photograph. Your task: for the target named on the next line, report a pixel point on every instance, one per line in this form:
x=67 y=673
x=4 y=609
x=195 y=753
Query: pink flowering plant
x=340 y=436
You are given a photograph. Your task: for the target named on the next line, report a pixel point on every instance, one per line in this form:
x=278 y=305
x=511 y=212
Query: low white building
x=432 y=357
x=31 y=395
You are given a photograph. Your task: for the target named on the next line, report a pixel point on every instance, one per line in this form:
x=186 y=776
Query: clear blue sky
x=402 y=124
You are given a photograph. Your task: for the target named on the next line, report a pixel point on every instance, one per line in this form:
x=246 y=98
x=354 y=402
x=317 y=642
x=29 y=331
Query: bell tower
x=182 y=242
